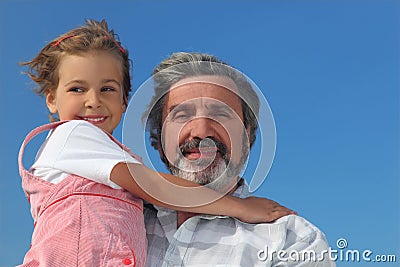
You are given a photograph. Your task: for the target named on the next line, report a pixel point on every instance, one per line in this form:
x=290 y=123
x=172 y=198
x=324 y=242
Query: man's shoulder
x=300 y=226
x=291 y=223
x=294 y=221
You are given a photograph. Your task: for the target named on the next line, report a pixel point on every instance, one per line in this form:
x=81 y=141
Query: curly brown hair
x=93 y=35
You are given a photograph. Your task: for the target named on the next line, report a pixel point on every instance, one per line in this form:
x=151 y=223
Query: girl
x=85 y=199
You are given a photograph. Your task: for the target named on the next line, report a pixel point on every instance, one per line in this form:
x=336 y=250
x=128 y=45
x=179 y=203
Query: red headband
x=62 y=39
x=106 y=37
x=116 y=43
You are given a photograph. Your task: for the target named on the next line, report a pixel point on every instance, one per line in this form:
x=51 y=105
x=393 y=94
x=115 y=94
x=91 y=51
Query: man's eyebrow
x=179 y=107
x=220 y=106
x=172 y=108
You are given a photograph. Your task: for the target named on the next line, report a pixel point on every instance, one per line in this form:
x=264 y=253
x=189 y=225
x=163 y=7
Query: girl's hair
x=93 y=35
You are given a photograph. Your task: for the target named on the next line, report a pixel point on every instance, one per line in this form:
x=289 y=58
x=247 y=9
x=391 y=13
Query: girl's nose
x=93 y=100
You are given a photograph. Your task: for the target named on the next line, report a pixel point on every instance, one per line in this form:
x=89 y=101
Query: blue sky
x=329 y=70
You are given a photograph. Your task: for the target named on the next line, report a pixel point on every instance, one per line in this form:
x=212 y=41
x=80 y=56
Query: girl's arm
x=179 y=194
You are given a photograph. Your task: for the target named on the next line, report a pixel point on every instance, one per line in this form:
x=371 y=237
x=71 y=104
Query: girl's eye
x=107 y=89
x=76 y=89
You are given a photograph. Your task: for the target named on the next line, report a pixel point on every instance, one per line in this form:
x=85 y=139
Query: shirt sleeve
x=80 y=148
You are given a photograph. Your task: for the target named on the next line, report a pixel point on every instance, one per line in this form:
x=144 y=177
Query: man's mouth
x=203 y=152
x=208 y=149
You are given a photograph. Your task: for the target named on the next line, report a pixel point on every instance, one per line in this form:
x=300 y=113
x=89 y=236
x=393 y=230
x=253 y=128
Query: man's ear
x=248 y=133
x=159 y=148
x=51 y=101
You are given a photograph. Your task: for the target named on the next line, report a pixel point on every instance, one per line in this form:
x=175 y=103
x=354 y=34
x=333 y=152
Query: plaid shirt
x=206 y=240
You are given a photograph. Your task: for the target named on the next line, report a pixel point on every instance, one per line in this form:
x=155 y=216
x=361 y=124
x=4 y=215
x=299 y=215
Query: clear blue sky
x=329 y=70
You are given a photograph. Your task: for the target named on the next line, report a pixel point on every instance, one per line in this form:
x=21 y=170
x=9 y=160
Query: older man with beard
x=203 y=121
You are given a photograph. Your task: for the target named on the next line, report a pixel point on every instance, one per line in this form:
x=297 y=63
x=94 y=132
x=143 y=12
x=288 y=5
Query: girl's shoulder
x=79 y=127
x=75 y=133
x=73 y=124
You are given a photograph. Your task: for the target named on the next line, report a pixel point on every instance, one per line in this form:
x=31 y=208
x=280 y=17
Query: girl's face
x=90 y=89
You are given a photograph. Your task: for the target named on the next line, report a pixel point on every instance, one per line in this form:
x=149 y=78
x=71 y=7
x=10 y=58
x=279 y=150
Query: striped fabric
x=223 y=241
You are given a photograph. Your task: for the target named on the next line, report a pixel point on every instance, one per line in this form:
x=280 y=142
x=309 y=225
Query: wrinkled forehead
x=204 y=87
x=221 y=81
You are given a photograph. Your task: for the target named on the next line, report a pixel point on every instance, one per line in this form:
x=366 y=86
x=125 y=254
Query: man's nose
x=93 y=99
x=202 y=127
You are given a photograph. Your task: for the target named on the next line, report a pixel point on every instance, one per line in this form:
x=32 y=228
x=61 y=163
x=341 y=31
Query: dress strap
x=122 y=146
x=51 y=126
x=31 y=135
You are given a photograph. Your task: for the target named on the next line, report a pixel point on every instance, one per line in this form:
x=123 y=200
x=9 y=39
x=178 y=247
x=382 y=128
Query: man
x=203 y=121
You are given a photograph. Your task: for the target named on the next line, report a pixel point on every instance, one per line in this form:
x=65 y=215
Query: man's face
x=203 y=134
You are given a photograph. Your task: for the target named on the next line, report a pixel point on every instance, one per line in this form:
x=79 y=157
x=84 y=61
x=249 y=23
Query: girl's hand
x=261 y=210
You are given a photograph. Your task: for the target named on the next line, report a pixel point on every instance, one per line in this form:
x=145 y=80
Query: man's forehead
x=213 y=87
x=221 y=81
x=211 y=104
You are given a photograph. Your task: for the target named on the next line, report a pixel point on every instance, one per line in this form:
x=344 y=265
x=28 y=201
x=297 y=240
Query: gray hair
x=172 y=70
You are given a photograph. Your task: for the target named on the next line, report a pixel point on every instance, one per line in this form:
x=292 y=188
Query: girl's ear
x=51 y=101
x=124 y=105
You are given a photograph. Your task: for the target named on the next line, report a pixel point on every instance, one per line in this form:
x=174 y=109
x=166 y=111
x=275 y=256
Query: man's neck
x=182 y=216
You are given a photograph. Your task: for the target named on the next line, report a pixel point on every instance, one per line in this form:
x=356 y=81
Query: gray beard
x=214 y=173
x=218 y=173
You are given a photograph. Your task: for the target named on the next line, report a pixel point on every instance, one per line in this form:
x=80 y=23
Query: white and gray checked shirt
x=205 y=240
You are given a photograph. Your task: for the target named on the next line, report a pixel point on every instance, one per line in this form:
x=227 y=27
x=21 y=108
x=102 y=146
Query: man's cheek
x=236 y=138
x=170 y=141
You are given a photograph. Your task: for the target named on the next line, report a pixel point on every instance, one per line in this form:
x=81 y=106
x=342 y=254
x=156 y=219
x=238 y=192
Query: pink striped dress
x=78 y=222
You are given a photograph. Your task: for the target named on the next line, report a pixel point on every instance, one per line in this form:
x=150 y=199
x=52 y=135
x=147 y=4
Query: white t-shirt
x=78 y=147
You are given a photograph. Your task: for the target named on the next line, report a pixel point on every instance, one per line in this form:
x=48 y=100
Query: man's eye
x=222 y=114
x=181 y=116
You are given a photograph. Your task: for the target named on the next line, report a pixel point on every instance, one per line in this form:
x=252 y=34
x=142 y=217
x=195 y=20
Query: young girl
x=86 y=205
